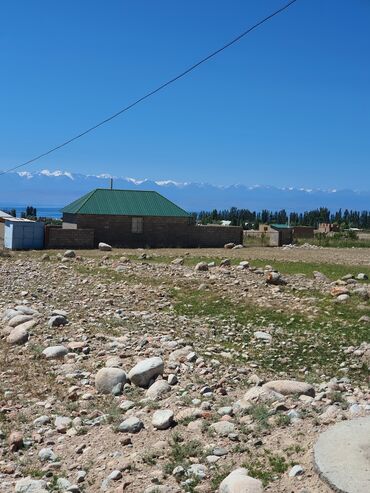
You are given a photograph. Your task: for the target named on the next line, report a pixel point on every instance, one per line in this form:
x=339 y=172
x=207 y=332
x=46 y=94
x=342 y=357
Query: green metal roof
x=124 y=203
x=280 y=226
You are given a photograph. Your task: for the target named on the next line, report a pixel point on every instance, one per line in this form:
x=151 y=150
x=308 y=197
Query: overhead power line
x=154 y=91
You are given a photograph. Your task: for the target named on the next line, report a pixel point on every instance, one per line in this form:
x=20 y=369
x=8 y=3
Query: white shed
x=22 y=234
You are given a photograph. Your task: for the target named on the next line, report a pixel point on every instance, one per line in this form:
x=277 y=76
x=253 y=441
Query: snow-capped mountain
x=58 y=188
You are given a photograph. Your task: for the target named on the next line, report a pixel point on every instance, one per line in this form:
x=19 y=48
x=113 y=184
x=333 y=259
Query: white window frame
x=137 y=224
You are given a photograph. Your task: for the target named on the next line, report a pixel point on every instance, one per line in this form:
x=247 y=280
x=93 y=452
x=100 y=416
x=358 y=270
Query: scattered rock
x=104 y=247
x=69 y=254
x=145 y=371
x=223 y=428
x=296 y=470
x=158 y=390
x=108 y=378
x=163 y=419
x=290 y=387
x=238 y=481
x=18 y=336
x=55 y=352
x=131 y=425
x=29 y=485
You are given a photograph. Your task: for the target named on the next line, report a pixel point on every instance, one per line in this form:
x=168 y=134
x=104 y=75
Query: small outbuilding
x=277 y=234
x=21 y=234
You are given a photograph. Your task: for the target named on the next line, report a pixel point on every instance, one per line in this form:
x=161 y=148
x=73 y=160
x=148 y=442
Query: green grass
x=266 y=466
x=181 y=451
x=334 y=242
x=316 y=344
x=332 y=271
x=260 y=414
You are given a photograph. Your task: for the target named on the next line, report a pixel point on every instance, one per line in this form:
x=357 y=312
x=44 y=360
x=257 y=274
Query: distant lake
x=50 y=212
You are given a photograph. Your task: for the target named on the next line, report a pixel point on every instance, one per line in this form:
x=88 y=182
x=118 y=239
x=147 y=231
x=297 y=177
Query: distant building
x=225 y=223
x=132 y=219
x=280 y=234
x=327 y=228
x=272 y=234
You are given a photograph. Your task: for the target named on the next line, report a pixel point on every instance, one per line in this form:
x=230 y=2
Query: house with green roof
x=127 y=218
x=135 y=218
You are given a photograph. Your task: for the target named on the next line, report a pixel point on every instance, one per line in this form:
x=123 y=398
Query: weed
x=180 y=452
x=260 y=413
x=282 y=420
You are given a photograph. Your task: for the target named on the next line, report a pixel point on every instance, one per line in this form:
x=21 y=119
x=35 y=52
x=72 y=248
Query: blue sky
x=287 y=106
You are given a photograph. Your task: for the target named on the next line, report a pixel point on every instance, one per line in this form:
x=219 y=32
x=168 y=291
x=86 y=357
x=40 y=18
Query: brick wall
x=157 y=231
x=68 y=238
x=214 y=236
x=303 y=232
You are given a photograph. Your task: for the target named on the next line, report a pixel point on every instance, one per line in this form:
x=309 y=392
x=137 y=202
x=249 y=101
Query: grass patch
x=314 y=343
x=332 y=271
x=260 y=414
x=267 y=466
x=181 y=451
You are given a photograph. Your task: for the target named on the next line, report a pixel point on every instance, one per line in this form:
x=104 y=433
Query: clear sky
x=287 y=106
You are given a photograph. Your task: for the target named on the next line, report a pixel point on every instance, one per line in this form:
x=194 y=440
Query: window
x=137 y=225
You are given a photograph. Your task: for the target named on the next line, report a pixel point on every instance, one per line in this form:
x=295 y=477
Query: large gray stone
x=108 y=378
x=342 y=456
x=158 y=390
x=18 y=320
x=238 y=481
x=17 y=336
x=57 y=321
x=162 y=419
x=290 y=387
x=69 y=254
x=131 y=425
x=144 y=371
x=223 y=428
x=29 y=485
x=26 y=310
x=10 y=313
x=256 y=395
x=55 y=352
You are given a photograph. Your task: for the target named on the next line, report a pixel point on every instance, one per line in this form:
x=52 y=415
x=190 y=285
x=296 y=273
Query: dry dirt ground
x=223 y=334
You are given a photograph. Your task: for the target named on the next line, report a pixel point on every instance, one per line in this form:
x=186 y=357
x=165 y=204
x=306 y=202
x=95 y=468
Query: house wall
x=303 y=232
x=57 y=237
x=262 y=238
x=157 y=231
x=285 y=236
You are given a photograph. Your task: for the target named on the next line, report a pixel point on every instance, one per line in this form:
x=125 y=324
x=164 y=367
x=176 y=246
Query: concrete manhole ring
x=342 y=456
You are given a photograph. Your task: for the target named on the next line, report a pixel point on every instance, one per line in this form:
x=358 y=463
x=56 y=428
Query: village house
x=326 y=228
x=132 y=219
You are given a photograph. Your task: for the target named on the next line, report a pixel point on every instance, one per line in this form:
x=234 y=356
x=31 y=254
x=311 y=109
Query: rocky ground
x=165 y=371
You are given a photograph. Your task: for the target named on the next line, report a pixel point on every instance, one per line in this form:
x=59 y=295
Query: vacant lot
x=222 y=334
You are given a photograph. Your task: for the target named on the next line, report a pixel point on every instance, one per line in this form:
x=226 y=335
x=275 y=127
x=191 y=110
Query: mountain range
x=58 y=188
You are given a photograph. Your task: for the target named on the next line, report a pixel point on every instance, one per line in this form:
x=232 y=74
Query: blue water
x=49 y=212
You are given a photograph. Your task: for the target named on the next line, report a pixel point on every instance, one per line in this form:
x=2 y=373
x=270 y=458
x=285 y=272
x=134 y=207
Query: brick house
x=132 y=219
